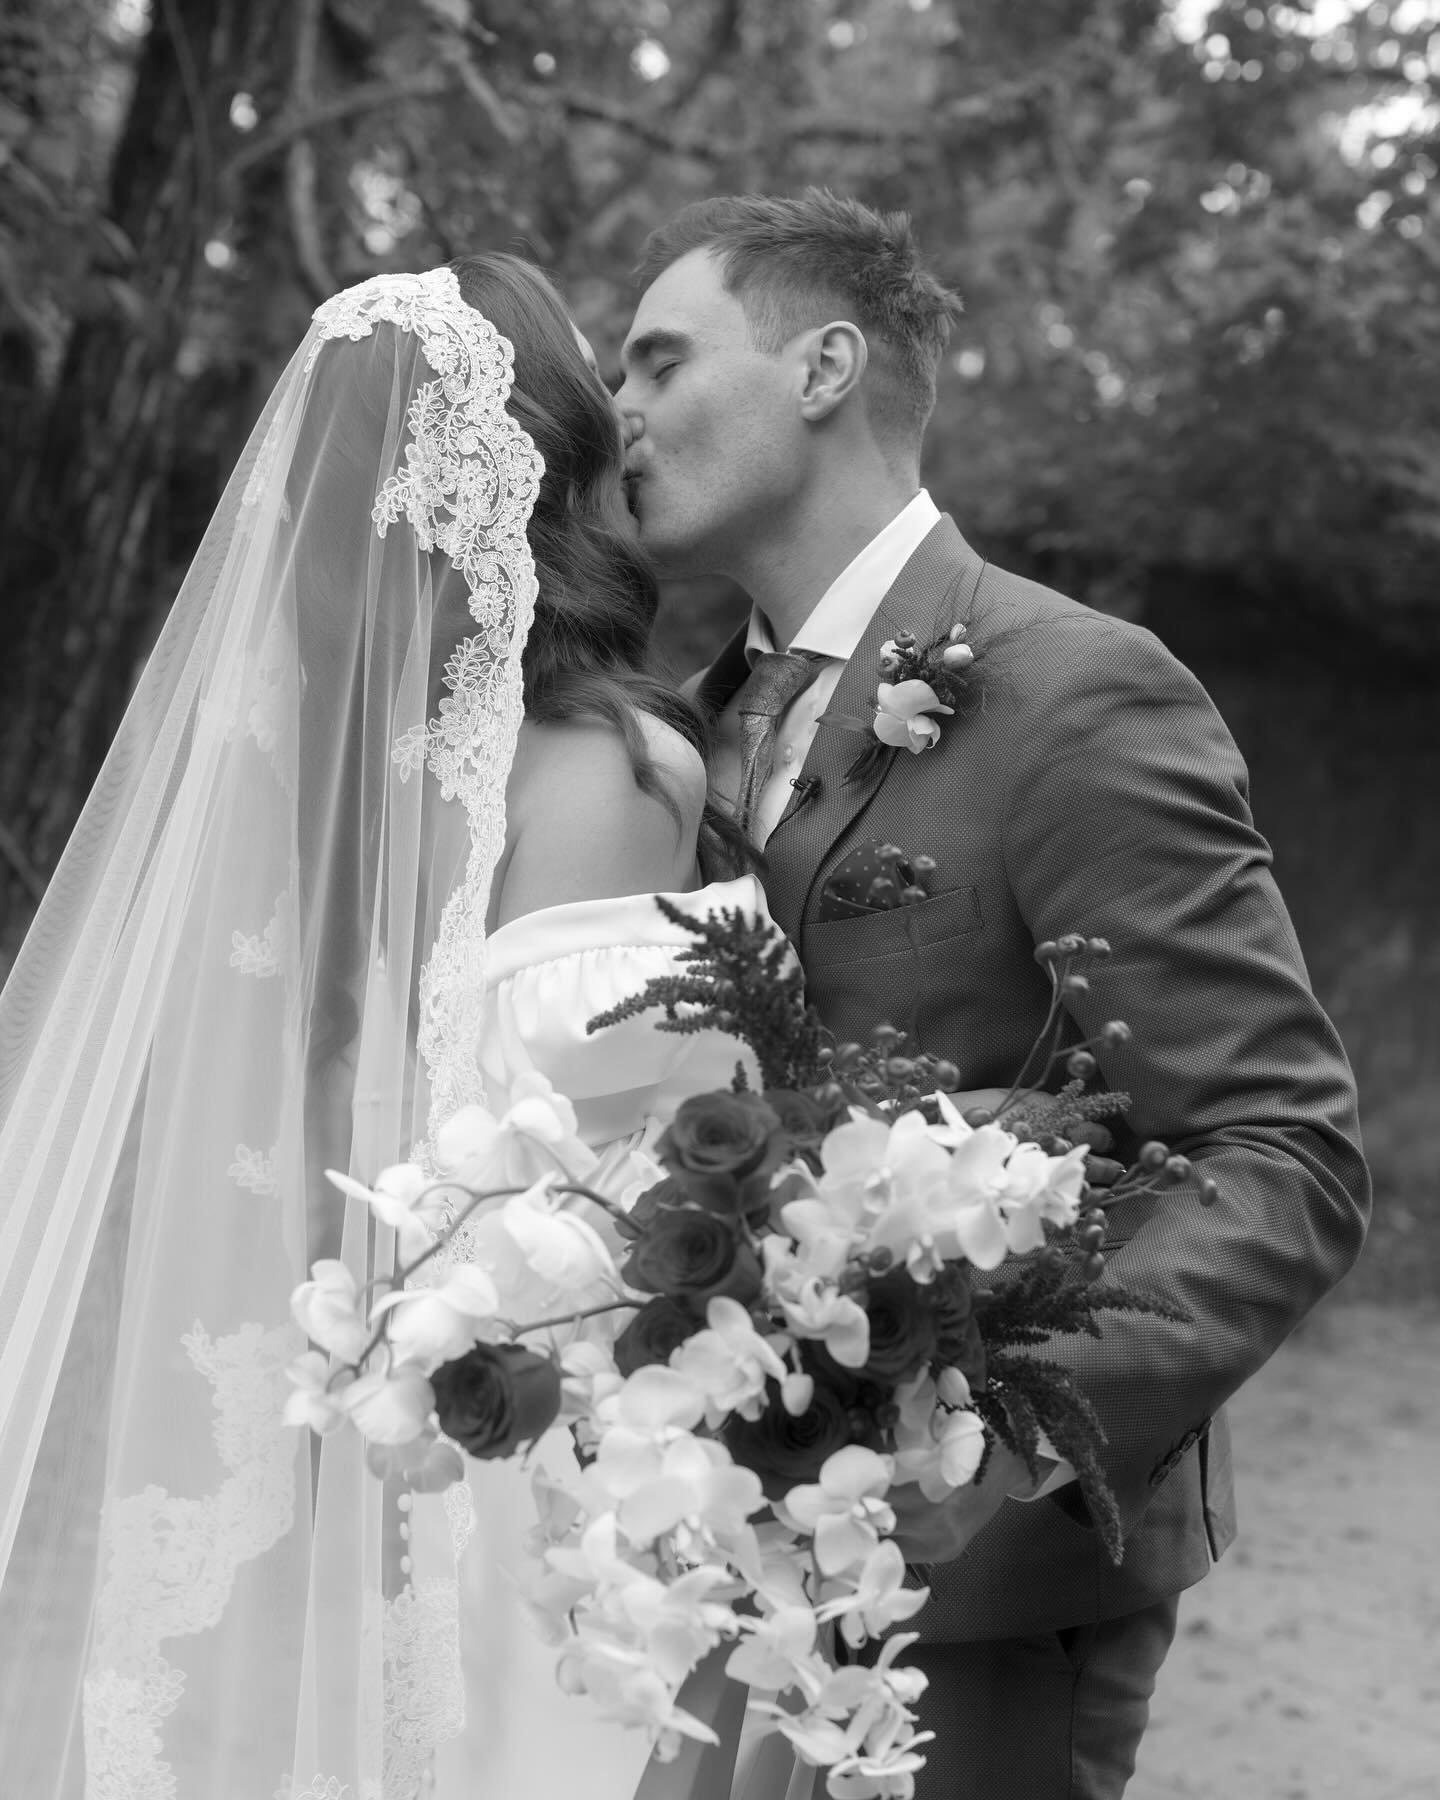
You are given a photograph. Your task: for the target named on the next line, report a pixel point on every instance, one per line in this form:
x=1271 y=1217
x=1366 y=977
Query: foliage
x=1196 y=245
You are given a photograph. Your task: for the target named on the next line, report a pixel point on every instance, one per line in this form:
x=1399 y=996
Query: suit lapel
x=934 y=589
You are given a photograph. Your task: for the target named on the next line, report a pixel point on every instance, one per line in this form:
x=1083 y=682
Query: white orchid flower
x=655 y=1401
x=879 y=1598
x=1039 y=1187
x=903 y=712
x=537 y=1134
x=314 y=1403
x=845 y=1511
x=695 y=1484
x=730 y=1361
x=629 y=1691
x=561 y=1248
x=778 y=1651
x=391 y=1408
x=887 y=1774
x=405 y=1199
x=429 y=1326
x=813 y=1306
x=327 y=1310
x=939 y=1450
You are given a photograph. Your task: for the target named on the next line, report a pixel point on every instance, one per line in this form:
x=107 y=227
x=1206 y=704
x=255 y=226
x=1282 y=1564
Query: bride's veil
x=276 y=892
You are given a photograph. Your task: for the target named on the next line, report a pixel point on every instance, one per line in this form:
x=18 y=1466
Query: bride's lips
x=632 y=491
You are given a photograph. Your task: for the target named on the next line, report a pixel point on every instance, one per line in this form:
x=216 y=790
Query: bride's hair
x=588 y=650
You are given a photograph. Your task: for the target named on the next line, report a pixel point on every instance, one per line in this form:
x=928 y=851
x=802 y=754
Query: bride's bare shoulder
x=579 y=825
x=588 y=761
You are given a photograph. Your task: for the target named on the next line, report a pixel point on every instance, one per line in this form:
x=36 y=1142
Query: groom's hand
x=936 y=1531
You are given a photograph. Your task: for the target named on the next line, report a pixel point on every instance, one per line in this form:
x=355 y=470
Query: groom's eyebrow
x=654 y=343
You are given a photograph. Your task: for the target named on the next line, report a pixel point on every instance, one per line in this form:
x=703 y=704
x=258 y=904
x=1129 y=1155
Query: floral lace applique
x=254 y=1170
x=171 y=1562
x=259 y=953
x=424 y=1681
x=325 y=1787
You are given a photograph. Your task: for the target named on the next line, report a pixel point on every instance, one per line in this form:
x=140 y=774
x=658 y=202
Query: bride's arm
x=579 y=827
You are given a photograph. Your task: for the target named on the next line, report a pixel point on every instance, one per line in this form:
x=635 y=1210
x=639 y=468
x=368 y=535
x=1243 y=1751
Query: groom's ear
x=834 y=362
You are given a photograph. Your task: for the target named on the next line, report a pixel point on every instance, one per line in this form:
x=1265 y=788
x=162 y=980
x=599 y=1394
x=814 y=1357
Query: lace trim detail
x=468 y=488
x=254 y=1170
x=424 y=1682
x=171 y=1562
x=325 y=1787
x=259 y=953
x=261 y=470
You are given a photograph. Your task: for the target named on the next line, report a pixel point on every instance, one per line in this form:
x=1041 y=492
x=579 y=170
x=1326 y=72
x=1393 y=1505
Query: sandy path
x=1308 y=1664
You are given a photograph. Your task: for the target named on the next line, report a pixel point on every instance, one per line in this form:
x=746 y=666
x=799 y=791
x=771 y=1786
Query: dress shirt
x=835 y=626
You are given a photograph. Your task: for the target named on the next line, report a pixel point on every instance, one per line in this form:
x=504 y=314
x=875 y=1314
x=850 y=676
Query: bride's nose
x=632 y=426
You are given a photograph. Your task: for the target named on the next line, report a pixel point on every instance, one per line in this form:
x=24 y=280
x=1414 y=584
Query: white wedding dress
x=547 y=974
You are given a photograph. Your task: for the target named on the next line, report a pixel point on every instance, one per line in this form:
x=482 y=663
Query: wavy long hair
x=588 y=653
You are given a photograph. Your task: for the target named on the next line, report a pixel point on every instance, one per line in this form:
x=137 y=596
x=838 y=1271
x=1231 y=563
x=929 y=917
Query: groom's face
x=715 y=444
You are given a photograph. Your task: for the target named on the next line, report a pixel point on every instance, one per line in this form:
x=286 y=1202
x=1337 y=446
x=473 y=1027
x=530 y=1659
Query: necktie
x=776 y=679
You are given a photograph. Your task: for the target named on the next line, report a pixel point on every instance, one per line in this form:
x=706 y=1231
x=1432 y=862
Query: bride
x=378 y=834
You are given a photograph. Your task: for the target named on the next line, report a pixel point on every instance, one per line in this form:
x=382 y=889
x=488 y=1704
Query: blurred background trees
x=1196 y=383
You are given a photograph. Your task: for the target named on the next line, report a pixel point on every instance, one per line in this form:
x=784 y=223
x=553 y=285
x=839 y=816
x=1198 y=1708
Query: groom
x=778 y=377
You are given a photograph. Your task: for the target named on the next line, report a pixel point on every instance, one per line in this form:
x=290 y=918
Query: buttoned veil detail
x=262 y=955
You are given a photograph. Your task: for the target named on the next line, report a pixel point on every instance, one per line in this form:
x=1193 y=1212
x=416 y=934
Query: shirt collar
x=839 y=618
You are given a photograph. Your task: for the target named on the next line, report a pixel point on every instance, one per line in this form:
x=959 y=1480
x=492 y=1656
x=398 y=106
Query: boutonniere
x=918 y=686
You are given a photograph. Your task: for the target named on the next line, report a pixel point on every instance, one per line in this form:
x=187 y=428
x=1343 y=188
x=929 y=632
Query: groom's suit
x=1086 y=784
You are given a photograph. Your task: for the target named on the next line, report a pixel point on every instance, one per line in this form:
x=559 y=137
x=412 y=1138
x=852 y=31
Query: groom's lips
x=632 y=491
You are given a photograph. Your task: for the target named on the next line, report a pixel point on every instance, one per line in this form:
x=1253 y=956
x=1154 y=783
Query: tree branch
x=369 y=96
x=300 y=168
x=19 y=862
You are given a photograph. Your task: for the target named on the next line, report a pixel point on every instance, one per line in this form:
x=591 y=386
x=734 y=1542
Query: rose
x=958 y=1343
x=722 y=1134
x=783 y=1447
x=696 y=1255
x=496 y=1397
x=802 y=1117
x=902 y=1327
x=660 y=1326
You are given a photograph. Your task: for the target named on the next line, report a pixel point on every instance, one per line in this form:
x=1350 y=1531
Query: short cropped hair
x=796 y=263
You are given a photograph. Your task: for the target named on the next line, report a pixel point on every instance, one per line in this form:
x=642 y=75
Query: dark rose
x=648 y=1207
x=722 y=1134
x=958 y=1343
x=902 y=1327
x=802 y=1117
x=693 y=1255
x=660 y=1326
x=783 y=1450
x=496 y=1397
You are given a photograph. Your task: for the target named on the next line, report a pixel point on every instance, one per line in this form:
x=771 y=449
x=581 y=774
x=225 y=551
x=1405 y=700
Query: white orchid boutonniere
x=919 y=685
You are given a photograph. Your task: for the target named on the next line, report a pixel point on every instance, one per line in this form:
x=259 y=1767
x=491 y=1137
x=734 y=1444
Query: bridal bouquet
x=834 y=1289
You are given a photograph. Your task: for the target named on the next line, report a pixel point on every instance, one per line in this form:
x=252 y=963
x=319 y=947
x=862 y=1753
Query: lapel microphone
x=806 y=788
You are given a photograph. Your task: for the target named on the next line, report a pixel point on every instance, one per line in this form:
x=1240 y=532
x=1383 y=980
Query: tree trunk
x=77 y=543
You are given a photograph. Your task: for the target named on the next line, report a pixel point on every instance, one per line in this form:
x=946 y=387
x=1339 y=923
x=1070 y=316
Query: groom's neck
x=791 y=569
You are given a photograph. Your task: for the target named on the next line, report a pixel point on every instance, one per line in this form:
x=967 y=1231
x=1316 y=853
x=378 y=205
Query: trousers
x=1058 y=1716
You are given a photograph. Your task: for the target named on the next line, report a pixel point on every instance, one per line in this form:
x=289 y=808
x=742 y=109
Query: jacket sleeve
x=1127 y=818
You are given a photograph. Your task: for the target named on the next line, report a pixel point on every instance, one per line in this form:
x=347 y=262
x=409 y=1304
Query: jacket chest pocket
x=903 y=932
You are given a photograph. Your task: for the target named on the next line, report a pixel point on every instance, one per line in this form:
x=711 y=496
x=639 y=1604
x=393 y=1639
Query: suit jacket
x=1087 y=784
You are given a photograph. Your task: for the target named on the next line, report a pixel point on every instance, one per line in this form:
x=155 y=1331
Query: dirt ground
x=1308 y=1663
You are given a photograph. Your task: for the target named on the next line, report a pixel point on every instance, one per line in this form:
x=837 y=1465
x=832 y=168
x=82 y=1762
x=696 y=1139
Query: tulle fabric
x=548 y=974
x=217 y=1001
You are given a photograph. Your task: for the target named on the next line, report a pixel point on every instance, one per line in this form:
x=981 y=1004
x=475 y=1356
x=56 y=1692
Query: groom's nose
x=632 y=426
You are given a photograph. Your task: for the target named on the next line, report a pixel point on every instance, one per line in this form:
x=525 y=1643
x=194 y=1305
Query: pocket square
x=874 y=877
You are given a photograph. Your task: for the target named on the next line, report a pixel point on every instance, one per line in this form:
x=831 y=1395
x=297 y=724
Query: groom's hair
x=795 y=263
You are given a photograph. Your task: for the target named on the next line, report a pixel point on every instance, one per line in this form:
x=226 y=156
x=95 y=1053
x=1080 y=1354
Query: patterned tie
x=776 y=679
